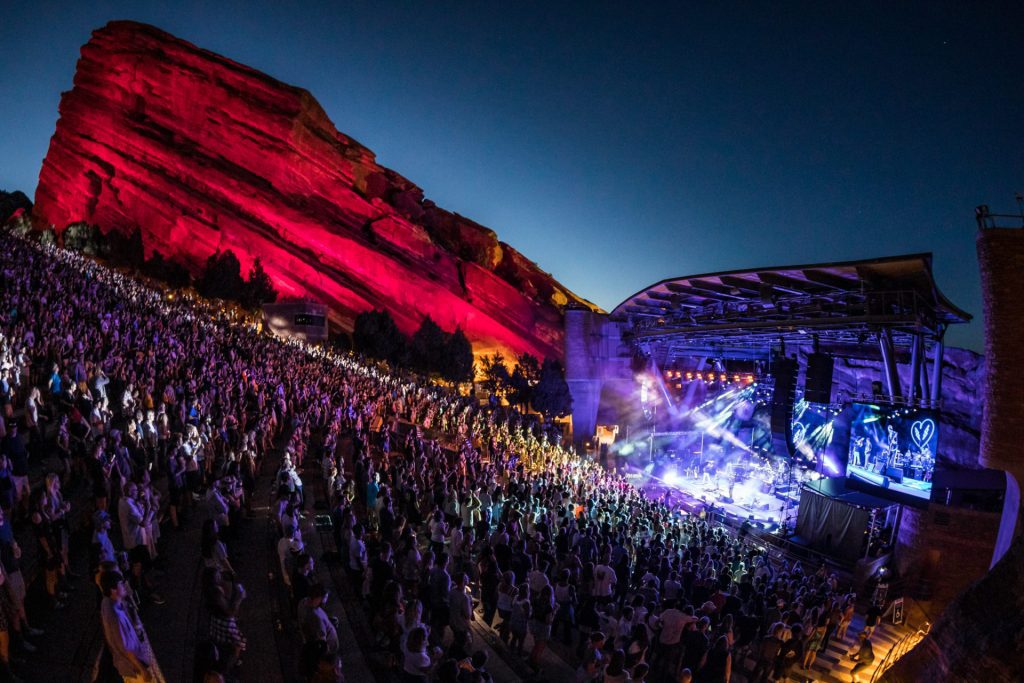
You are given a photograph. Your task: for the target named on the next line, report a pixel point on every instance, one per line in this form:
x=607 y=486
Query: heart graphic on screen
x=922 y=432
x=799 y=434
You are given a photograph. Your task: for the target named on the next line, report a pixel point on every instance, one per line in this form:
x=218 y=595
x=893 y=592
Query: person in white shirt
x=604 y=583
x=455 y=539
x=672 y=623
x=288 y=547
x=416 y=663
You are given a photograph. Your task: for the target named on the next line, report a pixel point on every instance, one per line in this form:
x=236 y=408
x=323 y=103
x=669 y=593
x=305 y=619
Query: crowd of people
x=445 y=511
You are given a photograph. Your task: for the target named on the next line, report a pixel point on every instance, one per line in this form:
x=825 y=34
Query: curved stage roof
x=845 y=303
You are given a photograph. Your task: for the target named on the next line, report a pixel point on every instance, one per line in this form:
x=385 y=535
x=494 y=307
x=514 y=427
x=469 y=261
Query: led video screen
x=893 y=451
x=812 y=429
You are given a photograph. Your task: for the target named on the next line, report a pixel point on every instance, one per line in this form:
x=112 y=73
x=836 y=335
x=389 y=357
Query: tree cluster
x=530 y=383
x=431 y=350
x=222 y=279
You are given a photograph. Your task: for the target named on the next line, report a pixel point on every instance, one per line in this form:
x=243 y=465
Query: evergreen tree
x=551 y=396
x=496 y=375
x=457 y=363
x=47 y=237
x=126 y=250
x=525 y=375
x=259 y=289
x=377 y=336
x=174 y=274
x=222 y=277
x=427 y=347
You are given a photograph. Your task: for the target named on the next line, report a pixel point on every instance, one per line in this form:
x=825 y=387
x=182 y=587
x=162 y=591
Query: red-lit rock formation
x=202 y=153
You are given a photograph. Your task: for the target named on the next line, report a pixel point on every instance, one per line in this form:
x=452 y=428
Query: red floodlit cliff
x=202 y=153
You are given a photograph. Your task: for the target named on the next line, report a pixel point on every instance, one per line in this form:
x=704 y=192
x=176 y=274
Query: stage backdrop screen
x=893 y=451
x=812 y=437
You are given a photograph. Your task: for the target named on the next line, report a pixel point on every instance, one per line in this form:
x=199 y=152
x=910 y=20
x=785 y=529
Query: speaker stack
x=783 y=396
x=818 y=382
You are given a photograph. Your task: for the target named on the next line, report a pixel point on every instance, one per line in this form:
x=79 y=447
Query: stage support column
x=892 y=376
x=940 y=351
x=916 y=354
x=925 y=390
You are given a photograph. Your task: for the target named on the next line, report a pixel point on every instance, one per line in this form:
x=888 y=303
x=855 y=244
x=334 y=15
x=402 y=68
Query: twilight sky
x=617 y=147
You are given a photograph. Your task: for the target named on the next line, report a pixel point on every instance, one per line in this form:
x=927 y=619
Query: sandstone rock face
x=202 y=153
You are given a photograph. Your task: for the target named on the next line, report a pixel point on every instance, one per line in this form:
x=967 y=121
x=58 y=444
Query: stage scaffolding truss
x=887 y=309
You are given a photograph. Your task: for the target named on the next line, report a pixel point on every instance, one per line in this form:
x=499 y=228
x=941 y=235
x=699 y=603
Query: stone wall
x=980 y=636
x=942 y=550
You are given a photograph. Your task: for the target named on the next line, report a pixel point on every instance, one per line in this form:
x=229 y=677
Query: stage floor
x=696 y=494
x=910 y=487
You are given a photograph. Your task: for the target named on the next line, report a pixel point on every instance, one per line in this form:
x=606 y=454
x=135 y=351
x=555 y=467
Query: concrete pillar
x=583 y=370
x=1001 y=261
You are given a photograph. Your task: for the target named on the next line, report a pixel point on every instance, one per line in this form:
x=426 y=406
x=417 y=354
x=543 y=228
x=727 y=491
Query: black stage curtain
x=831 y=526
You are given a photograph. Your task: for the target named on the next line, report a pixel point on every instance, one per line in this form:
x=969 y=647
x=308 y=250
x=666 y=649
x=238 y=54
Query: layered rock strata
x=201 y=153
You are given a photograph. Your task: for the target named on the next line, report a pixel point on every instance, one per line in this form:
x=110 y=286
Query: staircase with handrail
x=902 y=647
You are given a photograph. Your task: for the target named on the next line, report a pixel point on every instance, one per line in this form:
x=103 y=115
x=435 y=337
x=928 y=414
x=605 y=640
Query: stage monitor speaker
x=784 y=370
x=818 y=382
x=894 y=473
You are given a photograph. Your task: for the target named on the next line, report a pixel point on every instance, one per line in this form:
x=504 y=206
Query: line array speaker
x=784 y=370
x=818 y=382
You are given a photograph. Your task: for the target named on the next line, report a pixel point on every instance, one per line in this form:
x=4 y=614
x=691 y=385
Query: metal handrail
x=986 y=219
x=902 y=647
x=885 y=399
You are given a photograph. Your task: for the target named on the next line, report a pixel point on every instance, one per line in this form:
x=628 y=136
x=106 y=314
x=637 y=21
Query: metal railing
x=902 y=647
x=986 y=219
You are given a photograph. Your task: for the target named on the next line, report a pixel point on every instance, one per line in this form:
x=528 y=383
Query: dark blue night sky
x=621 y=144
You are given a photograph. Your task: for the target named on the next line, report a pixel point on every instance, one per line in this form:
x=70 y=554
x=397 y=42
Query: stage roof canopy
x=839 y=305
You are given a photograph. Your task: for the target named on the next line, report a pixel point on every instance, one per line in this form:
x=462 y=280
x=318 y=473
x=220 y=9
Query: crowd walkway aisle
x=72 y=638
x=356 y=631
x=71 y=646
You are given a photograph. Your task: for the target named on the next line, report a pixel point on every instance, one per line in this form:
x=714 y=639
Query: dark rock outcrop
x=202 y=153
x=11 y=203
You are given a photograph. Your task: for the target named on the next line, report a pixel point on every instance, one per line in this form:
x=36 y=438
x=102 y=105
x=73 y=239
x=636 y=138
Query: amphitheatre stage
x=739 y=393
